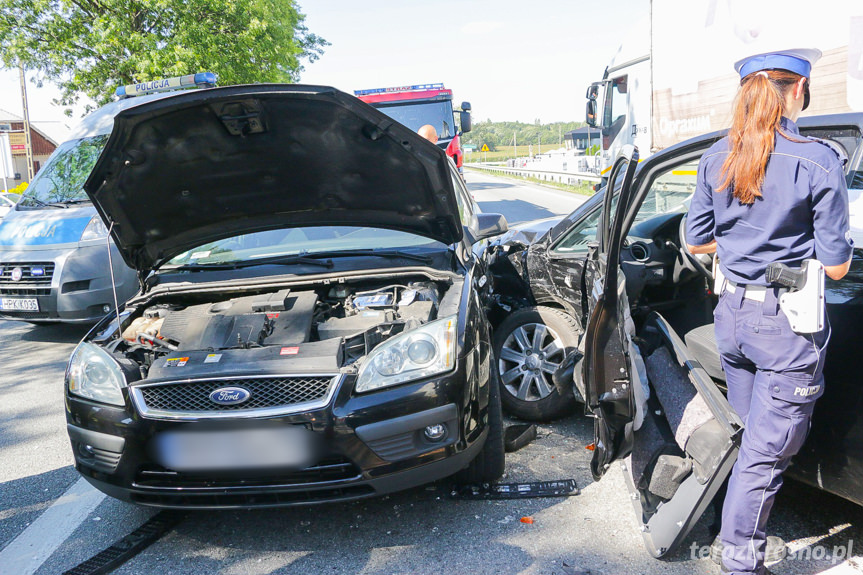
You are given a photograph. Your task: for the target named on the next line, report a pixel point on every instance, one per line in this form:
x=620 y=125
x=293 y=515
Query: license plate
x=215 y=450
x=12 y=304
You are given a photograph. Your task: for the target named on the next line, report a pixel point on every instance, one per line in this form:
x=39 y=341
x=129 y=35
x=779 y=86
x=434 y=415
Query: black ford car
x=611 y=292
x=308 y=326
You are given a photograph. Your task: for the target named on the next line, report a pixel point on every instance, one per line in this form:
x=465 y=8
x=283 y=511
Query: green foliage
x=592 y=151
x=92 y=46
x=497 y=134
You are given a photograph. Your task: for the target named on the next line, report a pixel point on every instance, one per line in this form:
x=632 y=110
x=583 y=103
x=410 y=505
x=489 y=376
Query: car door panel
x=605 y=366
x=702 y=433
x=679 y=435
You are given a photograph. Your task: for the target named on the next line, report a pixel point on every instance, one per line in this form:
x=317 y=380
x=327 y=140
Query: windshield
x=301 y=241
x=417 y=115
x=62 y=178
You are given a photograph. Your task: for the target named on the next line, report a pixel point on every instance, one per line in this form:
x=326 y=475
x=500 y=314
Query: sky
x=513 y=60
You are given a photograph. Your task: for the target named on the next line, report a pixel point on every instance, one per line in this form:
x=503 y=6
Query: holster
x=804 y=307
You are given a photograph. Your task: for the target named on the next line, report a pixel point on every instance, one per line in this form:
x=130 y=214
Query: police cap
x=799 y=61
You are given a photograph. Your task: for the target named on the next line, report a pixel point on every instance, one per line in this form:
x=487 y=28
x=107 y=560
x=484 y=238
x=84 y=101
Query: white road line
x=27 y=552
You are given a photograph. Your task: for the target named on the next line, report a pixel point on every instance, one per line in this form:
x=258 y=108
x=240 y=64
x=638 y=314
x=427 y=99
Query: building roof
x=42 y=128
x=584 y=131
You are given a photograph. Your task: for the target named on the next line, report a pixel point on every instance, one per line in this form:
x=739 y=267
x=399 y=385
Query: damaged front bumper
x=369 y=445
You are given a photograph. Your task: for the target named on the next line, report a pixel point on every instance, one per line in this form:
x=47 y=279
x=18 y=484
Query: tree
x=92 y=46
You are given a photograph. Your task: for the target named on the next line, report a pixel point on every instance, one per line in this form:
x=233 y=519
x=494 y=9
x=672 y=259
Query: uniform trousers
x=774 y=377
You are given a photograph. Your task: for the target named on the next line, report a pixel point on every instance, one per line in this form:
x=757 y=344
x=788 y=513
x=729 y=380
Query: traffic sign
x=484 y=148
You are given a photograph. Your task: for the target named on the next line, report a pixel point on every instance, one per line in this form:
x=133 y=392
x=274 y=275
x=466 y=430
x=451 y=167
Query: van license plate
x=11 y=304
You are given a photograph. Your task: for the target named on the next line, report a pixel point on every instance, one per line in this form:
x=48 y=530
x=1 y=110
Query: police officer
x=767 y=194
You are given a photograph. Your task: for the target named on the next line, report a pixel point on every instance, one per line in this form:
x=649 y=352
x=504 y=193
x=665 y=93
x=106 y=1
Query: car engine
x=320 y=329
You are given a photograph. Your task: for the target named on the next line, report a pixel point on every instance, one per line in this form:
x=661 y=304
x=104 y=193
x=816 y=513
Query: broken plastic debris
x=570 y=570
x=590 y=446
x=517 y=436
x=528 y=520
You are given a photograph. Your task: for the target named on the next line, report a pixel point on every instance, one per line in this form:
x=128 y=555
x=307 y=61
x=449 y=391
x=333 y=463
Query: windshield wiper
x=39 y=203
x=390 y=254
x=278 y=260
x=67 y=203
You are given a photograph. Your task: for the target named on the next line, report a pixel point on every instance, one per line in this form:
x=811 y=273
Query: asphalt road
x=49 y=522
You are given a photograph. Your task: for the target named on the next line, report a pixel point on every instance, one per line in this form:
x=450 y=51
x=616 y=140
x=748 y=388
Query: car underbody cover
x=202 y=165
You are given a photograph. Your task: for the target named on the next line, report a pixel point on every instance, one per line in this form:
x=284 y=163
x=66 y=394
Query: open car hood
x=209 y=164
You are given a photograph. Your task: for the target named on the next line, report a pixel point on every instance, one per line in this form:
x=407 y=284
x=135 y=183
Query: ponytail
x=758 y=110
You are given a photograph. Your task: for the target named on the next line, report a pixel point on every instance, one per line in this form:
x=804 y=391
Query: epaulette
x=837 y=149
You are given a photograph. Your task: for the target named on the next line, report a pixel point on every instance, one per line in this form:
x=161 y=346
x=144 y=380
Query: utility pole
x=515 y=141
x=28 y=145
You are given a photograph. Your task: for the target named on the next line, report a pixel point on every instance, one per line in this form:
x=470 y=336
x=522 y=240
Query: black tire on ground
x=529 y=345
x=488 y=466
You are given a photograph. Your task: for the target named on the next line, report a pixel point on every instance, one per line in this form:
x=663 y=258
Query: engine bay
x=320 y=329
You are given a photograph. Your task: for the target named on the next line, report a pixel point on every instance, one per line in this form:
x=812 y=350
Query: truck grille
x=28 y=278
x=193 y=397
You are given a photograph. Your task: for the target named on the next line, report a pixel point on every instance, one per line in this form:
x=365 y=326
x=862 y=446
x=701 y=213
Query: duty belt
x=752 y=292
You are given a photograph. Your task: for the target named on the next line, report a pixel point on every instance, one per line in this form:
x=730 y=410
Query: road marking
x=34 y=545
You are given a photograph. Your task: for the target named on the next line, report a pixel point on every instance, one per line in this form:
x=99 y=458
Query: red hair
x=758 y=110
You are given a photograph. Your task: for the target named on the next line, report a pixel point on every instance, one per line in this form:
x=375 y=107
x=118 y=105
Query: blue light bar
x=37 y=271
x=199 y=80
x=395 y=89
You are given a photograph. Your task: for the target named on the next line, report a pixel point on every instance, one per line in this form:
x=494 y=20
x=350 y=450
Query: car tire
x=522 y=361
x=489 y=465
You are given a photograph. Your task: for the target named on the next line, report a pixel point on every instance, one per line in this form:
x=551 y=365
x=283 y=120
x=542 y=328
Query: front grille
x=25 y=291
x=27 y=315
x=325 y=471
x=265 y=392
x=27 y=276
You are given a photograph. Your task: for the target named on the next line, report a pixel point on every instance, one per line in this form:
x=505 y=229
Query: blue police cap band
x=776 y=62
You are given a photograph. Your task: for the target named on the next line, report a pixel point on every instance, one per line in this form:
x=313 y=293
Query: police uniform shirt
x=802 y=212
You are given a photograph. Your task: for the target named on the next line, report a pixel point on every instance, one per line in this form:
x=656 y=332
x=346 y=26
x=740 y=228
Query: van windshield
x=61 y=180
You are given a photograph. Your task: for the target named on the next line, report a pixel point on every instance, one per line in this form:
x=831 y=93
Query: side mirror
x=464 y=119
x=592 y=91
x=590 y=113
x=490 y=225
x=465 y=106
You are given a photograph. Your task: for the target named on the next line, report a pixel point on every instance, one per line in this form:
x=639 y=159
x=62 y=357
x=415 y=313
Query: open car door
x=654 y=405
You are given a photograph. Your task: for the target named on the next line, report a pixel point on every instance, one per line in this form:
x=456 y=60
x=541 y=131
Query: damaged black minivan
x=309 y=324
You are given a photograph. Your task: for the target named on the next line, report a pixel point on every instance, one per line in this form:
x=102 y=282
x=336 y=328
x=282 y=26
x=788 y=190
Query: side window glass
x=614 y=109
x=466 y=206
x=576 y=239
x=669 y=193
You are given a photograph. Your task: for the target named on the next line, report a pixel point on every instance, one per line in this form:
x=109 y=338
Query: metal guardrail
x=571 y=178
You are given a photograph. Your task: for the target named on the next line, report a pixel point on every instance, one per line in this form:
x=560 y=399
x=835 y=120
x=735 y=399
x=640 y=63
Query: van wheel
x=530 y=346
x=488 y=466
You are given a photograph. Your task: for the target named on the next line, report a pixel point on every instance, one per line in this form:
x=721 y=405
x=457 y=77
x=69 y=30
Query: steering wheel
x=694 y=261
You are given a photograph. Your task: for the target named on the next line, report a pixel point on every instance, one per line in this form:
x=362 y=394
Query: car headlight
x=95 y=230
x=419 y=353
x=94 y=374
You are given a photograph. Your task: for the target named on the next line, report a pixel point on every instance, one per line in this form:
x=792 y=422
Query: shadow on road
x=55 y=332
x=26 y=498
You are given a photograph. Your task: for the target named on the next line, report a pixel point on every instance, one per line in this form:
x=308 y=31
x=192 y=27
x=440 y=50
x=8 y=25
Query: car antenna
x=113 y=282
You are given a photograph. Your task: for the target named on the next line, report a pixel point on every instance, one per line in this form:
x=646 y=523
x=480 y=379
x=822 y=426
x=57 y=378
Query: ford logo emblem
x=230 y=395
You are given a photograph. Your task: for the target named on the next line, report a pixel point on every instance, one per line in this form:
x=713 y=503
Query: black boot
x=774 y=552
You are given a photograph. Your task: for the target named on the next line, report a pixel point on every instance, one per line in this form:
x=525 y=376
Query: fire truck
x=421 y=104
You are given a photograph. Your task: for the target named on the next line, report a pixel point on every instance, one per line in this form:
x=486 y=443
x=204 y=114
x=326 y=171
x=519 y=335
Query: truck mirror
x=465 y=106
x=590 y=114
x=592 y=92
x=464 y=119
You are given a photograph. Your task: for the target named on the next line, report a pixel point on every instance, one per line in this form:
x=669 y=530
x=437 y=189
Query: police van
x=57 y=263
